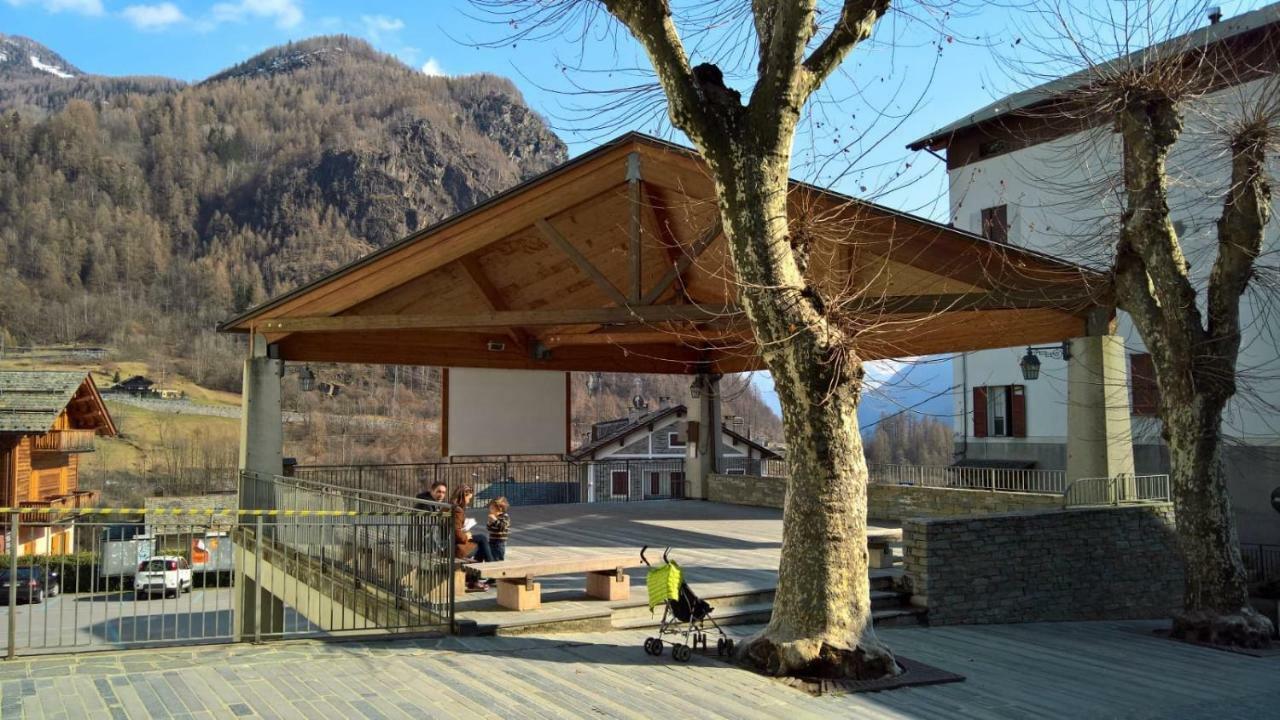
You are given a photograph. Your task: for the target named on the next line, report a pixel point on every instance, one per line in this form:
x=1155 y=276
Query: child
x=499 y=527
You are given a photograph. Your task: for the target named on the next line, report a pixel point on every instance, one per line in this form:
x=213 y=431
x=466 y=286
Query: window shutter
x=980 y=412
x=1018 y=410
x=995 y=223
x=1145 y=392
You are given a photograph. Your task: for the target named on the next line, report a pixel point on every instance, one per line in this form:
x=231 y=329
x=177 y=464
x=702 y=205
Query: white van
x=168 y=574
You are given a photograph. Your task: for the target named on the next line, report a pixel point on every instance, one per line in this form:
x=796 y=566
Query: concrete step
x=759 y=613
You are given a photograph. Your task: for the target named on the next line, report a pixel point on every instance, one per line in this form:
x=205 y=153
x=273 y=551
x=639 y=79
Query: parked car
x=34 y=584
x=168 y=574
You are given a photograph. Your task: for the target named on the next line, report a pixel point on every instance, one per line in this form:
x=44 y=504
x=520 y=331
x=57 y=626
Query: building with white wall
x=1018 y=176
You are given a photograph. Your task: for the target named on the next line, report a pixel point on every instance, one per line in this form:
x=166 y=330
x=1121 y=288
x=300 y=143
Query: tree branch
x=857 y=19
x=650 y=23
x=1240 y=231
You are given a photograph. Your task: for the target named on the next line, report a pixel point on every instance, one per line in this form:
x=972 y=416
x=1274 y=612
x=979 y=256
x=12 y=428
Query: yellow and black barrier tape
x=208 y=511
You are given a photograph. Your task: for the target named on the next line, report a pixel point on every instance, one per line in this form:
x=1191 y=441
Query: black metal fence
x=521 y=482
x=1261 y=562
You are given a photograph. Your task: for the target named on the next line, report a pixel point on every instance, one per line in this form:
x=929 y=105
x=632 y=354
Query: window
x=677 y=484
x=621 y=482
x=1145 y=393
x=999 y=411
x=655 y=483
x=674 y=440
x=736 y=471
x=995 y=223
x=991 y=147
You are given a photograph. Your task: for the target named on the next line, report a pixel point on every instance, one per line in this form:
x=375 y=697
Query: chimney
x=1215 y=15
x=638 y=408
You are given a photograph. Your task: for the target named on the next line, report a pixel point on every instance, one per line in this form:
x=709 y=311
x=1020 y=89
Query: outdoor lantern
x=306 y=379
x=695 y=390
x=1030 y=366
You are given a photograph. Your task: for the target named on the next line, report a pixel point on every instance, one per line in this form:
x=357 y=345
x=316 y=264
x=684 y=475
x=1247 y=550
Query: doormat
x=1273 y=651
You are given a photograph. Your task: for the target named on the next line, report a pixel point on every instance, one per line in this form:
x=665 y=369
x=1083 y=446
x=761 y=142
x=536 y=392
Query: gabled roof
x=579 y=269
x=654 y=417
x=31 y=400
x=1196 y=39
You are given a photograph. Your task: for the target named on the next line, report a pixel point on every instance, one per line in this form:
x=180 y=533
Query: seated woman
x=466 y=545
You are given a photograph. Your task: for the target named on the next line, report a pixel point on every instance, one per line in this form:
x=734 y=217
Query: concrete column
x=702 y=454
x=261 y=451
x=1099 y=438
x=261 y=426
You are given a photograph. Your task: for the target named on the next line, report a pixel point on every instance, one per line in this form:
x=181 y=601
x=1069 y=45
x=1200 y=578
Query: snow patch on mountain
x=52 y=69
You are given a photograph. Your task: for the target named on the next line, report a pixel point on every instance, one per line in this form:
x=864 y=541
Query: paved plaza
x=1068 y=670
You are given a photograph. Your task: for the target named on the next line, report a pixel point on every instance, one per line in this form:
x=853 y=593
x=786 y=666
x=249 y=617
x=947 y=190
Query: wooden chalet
x=47 y=419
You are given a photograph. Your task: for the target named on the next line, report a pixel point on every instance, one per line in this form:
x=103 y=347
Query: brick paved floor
x=1048 y=670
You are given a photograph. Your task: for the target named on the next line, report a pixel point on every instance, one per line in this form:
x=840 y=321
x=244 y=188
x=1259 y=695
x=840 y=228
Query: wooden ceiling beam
x=653 y=337
x=681 y=265
x=502 y=319
x=556 y=239
x=493 y=298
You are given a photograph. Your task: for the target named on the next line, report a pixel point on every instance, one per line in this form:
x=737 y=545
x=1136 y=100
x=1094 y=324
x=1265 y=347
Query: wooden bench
x=517 y=589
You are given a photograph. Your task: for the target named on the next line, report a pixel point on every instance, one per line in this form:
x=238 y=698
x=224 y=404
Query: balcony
x=65 y=441
x=75 y=500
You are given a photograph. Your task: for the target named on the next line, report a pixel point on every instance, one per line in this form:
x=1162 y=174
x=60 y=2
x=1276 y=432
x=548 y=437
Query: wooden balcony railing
x=74 y=500
x=65 y=441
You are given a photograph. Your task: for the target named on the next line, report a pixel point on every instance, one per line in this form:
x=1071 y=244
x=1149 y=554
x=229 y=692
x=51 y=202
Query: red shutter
x=980 y=412
x=1142 y=377
x=655 y=483
x=621 y=483
x=1018 y=410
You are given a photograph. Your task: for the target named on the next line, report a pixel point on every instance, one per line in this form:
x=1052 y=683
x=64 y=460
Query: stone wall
x=1080 y=564
x=746 y=490
x=886 y=502
x=899 y=502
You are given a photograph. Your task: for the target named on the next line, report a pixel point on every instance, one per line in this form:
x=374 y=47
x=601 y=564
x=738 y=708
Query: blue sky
x=888 y=93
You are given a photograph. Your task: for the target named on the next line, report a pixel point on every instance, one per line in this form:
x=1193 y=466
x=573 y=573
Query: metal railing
x=318 y=563
x=1124 y=488
x=1261 y=562
x=522 y=482
x=759 y=467
x=968 y=478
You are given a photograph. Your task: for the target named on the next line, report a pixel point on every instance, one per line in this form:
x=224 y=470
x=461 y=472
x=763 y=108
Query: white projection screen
x=505 y=412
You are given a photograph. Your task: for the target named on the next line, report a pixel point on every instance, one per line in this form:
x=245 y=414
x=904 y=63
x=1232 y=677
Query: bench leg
x=519 y=594
x=608 y=586
x=878 y=556
x=459 y=583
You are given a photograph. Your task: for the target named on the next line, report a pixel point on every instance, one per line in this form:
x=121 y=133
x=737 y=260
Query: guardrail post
x=12 y=630
x=257 y=582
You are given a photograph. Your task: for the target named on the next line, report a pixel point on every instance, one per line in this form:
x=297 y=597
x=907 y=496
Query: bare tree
x=1139 y=104
x=821 y=623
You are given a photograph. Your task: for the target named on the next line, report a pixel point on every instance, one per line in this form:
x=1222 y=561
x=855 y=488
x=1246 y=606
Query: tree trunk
x=821 y=622
x=1216 y=605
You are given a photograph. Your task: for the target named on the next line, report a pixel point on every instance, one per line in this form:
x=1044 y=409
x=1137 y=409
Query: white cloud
x=376 y=25
x=153 y=17
x=84 y=7
x=432 y=67
x=285 y=13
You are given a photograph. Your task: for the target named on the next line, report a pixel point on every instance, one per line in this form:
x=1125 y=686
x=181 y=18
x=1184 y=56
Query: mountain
x=22 y=57
x=918 y=389
x=139 y=211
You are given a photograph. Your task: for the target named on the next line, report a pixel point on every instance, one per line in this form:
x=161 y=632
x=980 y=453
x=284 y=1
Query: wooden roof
x=614 y=262
x=32 y=400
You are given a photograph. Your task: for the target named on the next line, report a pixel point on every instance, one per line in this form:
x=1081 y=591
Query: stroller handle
x=645 y=560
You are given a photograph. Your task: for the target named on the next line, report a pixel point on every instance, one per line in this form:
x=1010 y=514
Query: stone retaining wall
x=886 y=502
x=1105 y=563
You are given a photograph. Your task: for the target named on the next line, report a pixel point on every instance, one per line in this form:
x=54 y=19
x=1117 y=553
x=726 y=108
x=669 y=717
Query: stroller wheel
x=648 y=645
x=728 y=646
x=657 y=646
x=681 y=653
x=720 y=646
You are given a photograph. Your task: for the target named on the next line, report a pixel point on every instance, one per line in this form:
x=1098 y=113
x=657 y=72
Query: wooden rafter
x=558 y=240
x=651 y=337
x=503 y=319
x=492 y=297
x=671 y=244
x=682 y=264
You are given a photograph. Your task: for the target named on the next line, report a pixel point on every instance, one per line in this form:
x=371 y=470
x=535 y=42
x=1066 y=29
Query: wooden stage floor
x=724 y=549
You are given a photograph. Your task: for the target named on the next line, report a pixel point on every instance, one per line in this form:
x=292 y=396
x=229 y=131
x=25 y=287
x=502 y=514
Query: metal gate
x=127 y=578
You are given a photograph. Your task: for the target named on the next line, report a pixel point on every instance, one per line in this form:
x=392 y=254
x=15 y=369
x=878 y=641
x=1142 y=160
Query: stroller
x=684 y=614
